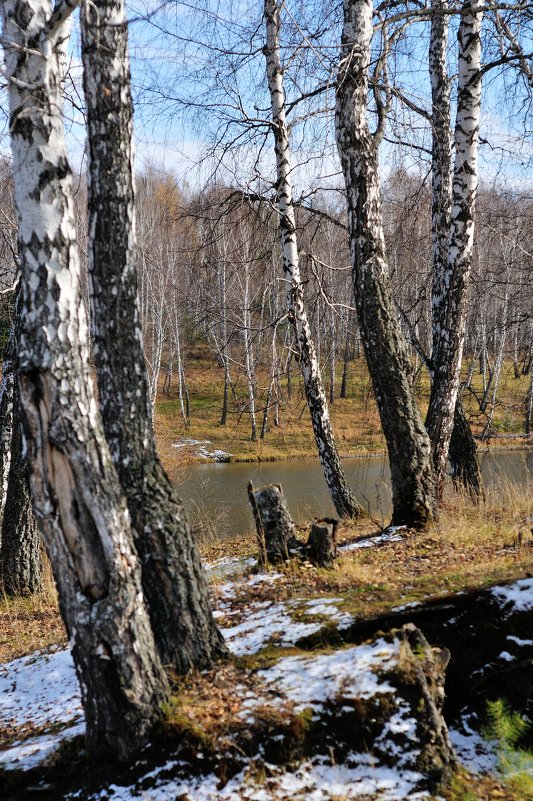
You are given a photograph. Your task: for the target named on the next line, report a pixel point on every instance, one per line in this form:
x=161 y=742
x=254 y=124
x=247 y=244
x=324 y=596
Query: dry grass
x=471 y=546
x=466 y=787
x=28 y=623
x=355 y=419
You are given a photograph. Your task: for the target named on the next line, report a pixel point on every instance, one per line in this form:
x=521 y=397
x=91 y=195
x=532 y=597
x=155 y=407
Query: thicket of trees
x=283 y=264
x=194 y=290
x=194 y=250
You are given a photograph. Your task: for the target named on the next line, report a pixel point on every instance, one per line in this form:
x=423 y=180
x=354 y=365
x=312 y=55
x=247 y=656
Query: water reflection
x=219 y=490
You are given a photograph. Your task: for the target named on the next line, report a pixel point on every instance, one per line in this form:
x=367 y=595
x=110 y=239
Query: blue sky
x=178 y=52
x=189 y=95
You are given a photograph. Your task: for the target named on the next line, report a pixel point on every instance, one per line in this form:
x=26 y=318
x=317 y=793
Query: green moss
x=176 y=723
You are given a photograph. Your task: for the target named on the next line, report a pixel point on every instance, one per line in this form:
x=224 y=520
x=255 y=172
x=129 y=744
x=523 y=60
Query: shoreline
x=501 y=442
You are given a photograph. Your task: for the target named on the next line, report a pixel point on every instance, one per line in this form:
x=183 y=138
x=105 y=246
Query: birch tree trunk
x=528 y=407
x=77 y=497
x=412 y=475
x=465 y=467
x=221 y=270
x=20 y=541
x=21 y=562
x=179 y=364
x=343 y=499
x=272 y=392
x=7 y=392
x=172 y=577
x=453 y=259
x=441 y=165
x=345 y=360
x=500 y=336
x=249 y=361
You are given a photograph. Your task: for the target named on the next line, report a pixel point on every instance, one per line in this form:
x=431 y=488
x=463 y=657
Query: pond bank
x=217 y=492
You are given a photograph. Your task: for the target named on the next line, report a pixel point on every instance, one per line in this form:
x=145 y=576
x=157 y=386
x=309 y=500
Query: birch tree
x=20 y=542
x=343 y=499
x=412 y=475
x=454 y=197
x=173 y=580
x=77 y=497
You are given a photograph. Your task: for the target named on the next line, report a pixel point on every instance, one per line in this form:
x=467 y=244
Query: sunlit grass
x=355 y=419
x=30 y=622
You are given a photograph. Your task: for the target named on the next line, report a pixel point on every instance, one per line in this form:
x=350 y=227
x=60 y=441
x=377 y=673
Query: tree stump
x=322 y=542
x=274 y=525
x=419 y=679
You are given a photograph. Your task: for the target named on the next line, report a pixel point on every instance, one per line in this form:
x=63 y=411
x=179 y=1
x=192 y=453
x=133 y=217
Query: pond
x=218 y=491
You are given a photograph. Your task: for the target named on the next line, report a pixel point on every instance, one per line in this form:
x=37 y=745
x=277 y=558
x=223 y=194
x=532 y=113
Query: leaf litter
x=40 y=706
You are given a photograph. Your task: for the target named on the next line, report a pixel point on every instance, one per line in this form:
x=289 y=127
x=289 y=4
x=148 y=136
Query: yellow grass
x=28 y=623
x=355 y=419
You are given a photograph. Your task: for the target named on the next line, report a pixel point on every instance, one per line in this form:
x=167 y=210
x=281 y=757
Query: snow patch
x=229 y=566
x=266 y=622
x=30 y=753
x=476 y=754
x=518 y=596
x=313 y=780
x=519 y=641
x=201 y=449
x=389 y=535
x=410 y=605
x=348 y=674
x=39 y=690
x=506 y=656
x=263 y=578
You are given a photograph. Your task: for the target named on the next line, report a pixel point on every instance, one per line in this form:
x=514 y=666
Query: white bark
x=77 y=498
x=413 y=484
x=450 y=293
x=344 y=501
x=441 y=165
x=7 y=389
x=248 y=352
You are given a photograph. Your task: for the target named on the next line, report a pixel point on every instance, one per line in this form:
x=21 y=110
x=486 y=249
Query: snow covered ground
x=313 y=780
x=200 y=448
x=40 y=705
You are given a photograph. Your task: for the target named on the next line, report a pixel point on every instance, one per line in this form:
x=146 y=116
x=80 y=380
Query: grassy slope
x=355 y=419
x=471 y=546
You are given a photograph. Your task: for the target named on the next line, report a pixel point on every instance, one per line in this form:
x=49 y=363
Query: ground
x=355 y=419
x=291 y=674
x=278 y=720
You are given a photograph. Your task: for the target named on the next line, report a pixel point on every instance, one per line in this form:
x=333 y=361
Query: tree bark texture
x=412 y=475
x=453 y=260
x=7 y=393
x=465 y=467
x=21 y=563
x=321 y=546
x=275 y=528
x=463 y=453
x=342 y=496
x=77 y=498
x=20 y=542
x=173 y=579
x=441 y=164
